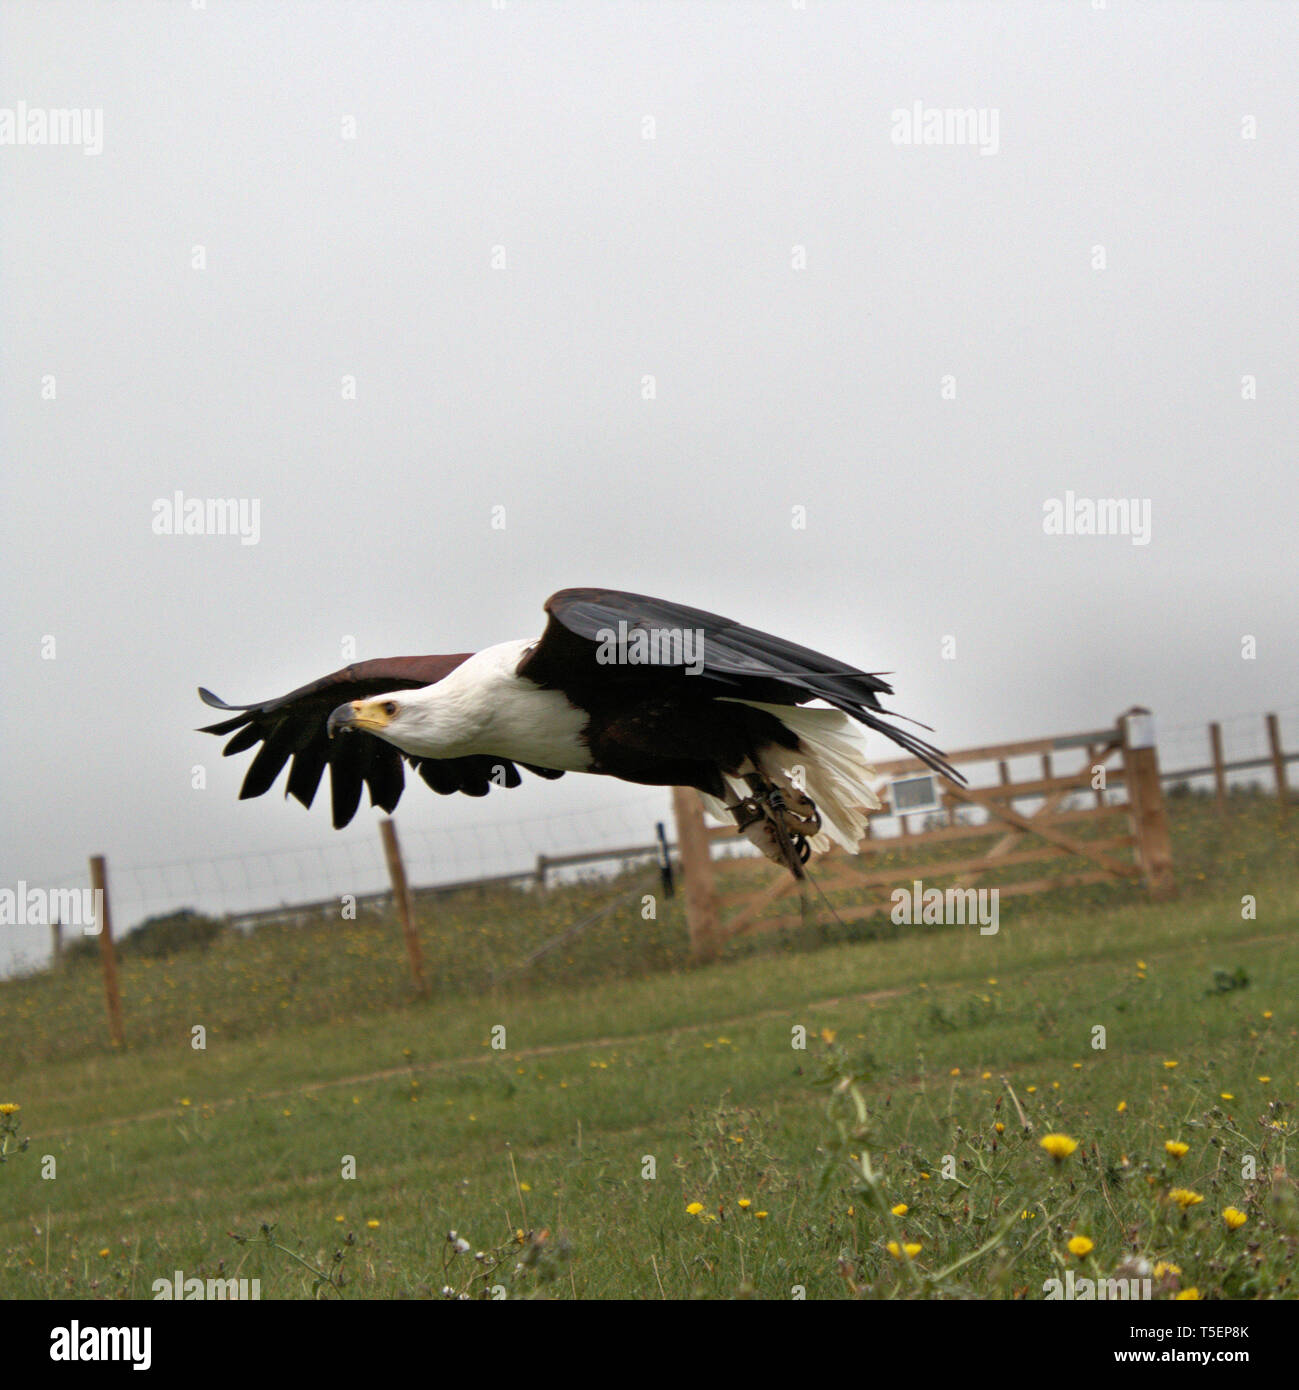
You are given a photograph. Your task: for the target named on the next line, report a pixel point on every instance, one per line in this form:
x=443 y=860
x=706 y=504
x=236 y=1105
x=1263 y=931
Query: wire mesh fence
x=251 y=884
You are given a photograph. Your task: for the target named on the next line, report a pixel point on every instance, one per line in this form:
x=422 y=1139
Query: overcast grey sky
x=499 y=223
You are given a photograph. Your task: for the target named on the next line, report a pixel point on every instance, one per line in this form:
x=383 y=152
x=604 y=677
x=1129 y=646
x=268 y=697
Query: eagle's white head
x=444 y=720
x=421 y=722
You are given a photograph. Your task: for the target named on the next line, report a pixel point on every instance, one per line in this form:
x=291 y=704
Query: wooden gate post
x=401 y=896
x=697 y=871
x=107 y=951
x=1146 y=802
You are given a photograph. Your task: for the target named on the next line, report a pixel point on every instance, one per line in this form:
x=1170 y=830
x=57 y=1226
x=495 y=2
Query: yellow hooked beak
x=363 y=716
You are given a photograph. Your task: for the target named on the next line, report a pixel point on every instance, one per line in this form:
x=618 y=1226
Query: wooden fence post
x=401 y=896
x=1096 y=757
x=1146 y=802
x=1219 y=768
x=107 y=951
x=1278 y=766
x=697 y=871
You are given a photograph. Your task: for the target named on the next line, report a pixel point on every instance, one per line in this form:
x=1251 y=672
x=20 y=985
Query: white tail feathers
x=829 y=766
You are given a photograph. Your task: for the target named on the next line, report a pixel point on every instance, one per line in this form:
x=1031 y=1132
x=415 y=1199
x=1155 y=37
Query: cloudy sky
x=710 y=301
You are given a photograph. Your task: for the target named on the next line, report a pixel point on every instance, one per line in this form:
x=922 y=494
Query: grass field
x=651 y=1130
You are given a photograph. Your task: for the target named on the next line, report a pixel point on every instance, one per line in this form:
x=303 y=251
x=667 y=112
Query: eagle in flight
x=618 y=684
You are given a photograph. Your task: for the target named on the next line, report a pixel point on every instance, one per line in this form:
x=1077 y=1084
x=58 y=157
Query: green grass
x=229 y=1160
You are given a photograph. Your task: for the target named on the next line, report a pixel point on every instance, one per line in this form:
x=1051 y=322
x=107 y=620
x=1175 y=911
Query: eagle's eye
x=390 y=708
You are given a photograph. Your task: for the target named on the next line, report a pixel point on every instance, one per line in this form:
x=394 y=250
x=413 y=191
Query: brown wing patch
x=291 y=729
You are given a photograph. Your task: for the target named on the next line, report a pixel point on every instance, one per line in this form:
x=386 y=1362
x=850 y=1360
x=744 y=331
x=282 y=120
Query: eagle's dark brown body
x=676 y=741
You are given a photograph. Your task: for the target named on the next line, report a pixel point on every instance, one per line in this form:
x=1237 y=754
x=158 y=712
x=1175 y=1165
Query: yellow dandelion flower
x=999 y=1127
x=103 y=1254
x=1267 y=1013
x=985 y=1076
x=1170 y=1065
x=1175 y=1148
x=1265 y=1079
x=1226 y=1095
x=694 y=1208
x=1141 y=965
x=761 y=1215
x=745 y=1204
x=9 y=1108
x=373 y=1225
x=1235 y=1219
x=1059 y=1146
x=1184 y=1197
x=828 y=1035
x=1121 y=1106
x=1032 y=1090
x=901 y=1209
x=1163 y=1270
x=956 y=1071
x=1077 y=1066
x=1188 y=1296
x=910 y=1250
x=1080 y=1245
x=340 y=1217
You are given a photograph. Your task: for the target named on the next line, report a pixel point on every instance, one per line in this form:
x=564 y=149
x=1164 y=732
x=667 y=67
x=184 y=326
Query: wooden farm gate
x=1101 y=842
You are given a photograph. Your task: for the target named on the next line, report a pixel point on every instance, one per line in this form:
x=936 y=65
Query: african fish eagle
x=618 y=684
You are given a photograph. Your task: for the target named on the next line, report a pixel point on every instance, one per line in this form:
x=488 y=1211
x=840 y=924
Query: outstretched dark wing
x=737 y=662
x=293 y=727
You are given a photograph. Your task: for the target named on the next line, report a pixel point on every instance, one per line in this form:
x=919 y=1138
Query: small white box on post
x=1139 y=727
